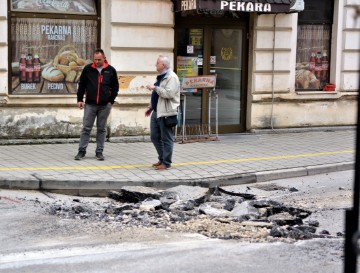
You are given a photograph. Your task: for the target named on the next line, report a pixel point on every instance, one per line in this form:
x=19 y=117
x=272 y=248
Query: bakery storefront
x=274 y=61
x=278 y=63
x=212 y=37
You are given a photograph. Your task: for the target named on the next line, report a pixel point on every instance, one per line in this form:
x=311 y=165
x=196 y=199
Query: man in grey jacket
x=165 y=99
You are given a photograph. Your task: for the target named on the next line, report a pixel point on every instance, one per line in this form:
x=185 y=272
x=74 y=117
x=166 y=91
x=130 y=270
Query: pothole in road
x=271 y=187
x=216 y=213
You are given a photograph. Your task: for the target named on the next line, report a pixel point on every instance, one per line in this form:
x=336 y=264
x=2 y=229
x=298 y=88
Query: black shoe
x=80 y=155
x=100 y=156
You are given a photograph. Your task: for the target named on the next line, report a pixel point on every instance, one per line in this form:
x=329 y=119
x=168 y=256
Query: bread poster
x=312 y=57
x=48 y=55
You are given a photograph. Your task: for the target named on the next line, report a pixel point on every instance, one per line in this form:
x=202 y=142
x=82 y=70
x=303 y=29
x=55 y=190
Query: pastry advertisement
x=312 y=64
x=48 y=55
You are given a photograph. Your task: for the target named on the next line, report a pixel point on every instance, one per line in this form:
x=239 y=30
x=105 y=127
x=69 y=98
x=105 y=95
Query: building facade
x=275 y=67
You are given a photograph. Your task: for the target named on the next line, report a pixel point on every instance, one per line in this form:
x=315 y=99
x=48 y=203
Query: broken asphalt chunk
x=139 y=193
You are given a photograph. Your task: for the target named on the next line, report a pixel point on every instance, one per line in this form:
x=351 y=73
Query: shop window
x=51 y=42
x=313 y=45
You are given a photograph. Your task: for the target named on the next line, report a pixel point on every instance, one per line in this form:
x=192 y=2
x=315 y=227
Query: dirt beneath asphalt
x=84 y=217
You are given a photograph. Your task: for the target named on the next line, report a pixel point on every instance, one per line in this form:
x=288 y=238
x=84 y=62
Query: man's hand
x=81 y=104
x=148 y=112
x=150 y=87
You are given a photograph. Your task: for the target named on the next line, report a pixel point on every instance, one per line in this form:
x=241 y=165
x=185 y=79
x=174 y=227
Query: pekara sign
x=234 y=5
x=204 y=81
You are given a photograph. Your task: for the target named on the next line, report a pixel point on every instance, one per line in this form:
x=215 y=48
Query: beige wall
x=135 y=32
x=4 y=58
x=273 y=101
x=350 y=51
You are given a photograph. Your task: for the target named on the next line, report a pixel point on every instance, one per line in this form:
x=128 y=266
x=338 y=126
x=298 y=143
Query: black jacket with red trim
x=100 y=88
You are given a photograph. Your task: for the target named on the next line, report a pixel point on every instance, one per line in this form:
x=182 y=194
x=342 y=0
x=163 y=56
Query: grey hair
x=165 y=60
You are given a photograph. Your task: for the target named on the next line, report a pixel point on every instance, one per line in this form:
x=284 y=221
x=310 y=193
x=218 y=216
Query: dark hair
x=99 y=50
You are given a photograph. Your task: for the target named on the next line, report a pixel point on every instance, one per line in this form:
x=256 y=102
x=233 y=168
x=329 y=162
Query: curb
x=102 y=188
x=303 y=171
x=304 y=129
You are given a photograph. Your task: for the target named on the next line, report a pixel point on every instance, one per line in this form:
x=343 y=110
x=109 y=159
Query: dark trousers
x=163 y=139
x=101 y=114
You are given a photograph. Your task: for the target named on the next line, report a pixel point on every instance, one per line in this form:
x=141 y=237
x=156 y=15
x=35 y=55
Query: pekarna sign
x=245 y=6
x=204 y=81
x=239 y=6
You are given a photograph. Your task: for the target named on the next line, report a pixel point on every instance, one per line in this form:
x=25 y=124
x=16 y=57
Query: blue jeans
x=101 y=114
x=162 y=138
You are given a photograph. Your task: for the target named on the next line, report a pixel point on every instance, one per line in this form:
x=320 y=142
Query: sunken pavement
x=220 y=212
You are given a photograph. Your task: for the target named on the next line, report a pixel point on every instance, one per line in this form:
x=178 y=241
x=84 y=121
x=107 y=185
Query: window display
x=312 y=64
x=48 y=55
x=313 y=46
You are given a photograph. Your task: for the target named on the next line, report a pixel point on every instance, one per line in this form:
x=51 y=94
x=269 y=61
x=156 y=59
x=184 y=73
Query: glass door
x=189 y=62
x=226 y=63
x=213 y=50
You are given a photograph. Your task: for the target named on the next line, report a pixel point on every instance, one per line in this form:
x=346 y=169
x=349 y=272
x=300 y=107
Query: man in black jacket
x=100 y=84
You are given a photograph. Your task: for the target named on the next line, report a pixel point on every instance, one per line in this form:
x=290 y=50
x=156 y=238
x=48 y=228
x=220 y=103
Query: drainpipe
x=272 y=78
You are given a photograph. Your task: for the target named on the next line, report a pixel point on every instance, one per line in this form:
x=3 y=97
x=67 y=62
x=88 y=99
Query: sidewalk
x=234 y=159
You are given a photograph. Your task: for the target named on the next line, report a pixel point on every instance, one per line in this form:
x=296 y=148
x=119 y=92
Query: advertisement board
x=48 y=55
x=187 y=66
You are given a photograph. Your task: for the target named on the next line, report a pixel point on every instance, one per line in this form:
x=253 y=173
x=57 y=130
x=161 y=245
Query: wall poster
x=48 y=55
x=312 y=57
x=187 y=66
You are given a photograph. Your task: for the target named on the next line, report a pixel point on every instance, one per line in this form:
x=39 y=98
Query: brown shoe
x=161 y=167
x=156 y=164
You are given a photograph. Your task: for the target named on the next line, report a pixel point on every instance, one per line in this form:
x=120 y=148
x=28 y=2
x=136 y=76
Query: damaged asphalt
x=221 y=213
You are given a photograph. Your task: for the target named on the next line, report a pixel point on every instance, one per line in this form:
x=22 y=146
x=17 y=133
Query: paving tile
x=132 y=161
